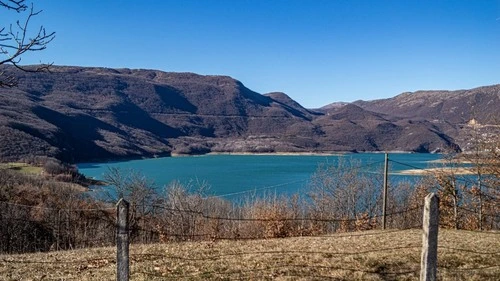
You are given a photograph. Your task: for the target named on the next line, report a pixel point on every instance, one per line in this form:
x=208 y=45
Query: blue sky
x=317 y=52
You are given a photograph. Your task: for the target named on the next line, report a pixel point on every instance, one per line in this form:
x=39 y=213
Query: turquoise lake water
x=235 y=175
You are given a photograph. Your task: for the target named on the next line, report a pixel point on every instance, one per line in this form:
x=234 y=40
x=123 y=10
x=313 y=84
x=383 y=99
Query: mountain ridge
x=90 y=114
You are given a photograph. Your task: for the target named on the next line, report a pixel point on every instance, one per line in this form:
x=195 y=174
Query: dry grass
x=370 y=255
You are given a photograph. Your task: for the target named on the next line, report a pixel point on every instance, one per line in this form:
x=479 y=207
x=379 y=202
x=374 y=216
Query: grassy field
x=22 y=167
x=370 y=255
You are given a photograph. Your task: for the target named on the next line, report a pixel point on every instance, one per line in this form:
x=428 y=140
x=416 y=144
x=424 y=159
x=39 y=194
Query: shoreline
x=451 y=161
x=332 y=153
x=280 y=153
x=431 y=171
x=168 y=155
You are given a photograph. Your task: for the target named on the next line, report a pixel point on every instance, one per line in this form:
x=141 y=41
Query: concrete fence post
x=428 y=264
x=122 y=241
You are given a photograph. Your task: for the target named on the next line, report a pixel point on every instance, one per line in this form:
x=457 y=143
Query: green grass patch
x=22 y=168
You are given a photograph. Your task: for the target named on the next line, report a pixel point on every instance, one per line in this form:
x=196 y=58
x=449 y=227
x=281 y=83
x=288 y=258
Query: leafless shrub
x=345 y=192
x=274 y=217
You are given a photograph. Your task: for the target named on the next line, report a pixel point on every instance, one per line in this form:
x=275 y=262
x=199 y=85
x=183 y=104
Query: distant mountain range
x=88 y=114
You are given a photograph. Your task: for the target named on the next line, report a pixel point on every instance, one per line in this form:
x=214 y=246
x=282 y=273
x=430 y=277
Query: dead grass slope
x=370 y=255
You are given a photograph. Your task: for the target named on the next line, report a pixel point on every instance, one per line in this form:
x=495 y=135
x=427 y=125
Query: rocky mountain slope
x=458 y=115
x=455 y=107
x=82 y=114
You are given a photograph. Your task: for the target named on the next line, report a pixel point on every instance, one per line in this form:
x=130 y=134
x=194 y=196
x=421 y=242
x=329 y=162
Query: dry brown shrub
x=345 y=225
x=364 y=222
x=270 y=217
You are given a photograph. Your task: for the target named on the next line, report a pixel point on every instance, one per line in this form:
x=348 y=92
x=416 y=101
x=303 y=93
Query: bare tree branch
x=17 y=6
x=16 y=41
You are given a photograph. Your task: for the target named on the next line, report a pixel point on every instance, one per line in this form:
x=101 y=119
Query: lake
x=231 y=176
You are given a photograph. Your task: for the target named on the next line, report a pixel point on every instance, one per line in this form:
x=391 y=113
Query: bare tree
x=16 y=40
x=344 y=191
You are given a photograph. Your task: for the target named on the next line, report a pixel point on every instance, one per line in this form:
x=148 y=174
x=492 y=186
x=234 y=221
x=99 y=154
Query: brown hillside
x=82 y=114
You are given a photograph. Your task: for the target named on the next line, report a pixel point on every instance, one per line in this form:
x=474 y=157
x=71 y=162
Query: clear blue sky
x=317 y=52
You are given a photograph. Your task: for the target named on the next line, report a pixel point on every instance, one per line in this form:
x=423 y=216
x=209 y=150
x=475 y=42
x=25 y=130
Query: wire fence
x=35 y=229
x=31 y=228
